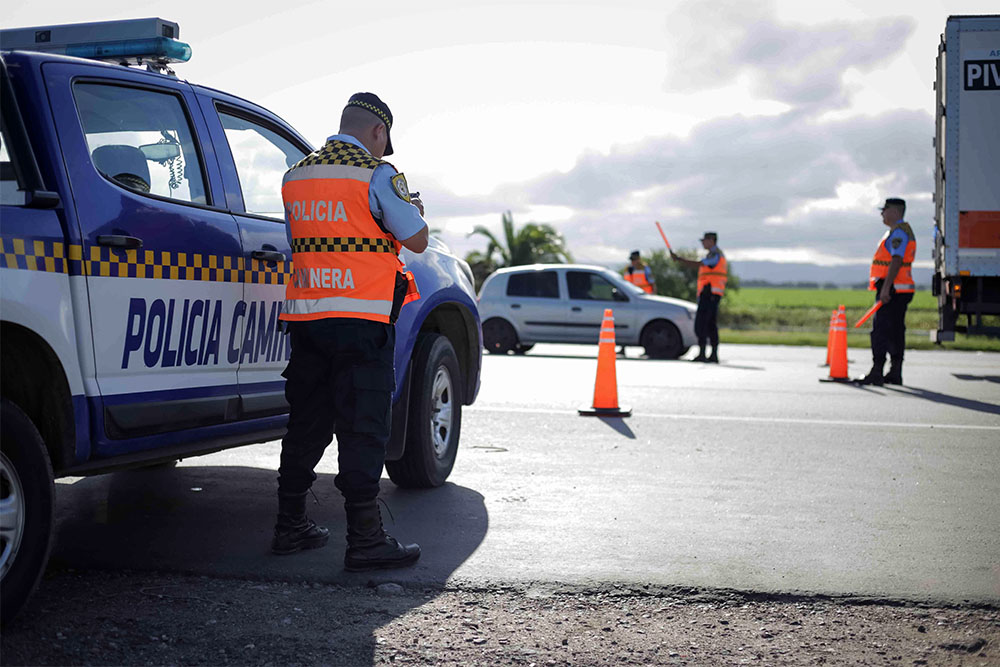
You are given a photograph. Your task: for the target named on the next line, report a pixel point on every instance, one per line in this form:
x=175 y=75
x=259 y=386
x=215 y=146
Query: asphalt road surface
x=750 y=475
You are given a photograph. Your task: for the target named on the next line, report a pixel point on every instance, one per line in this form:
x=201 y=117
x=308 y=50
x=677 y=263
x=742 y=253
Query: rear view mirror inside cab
x=160 y=152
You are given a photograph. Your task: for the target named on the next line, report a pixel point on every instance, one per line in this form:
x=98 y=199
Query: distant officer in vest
x=639 y=274
x=712 y=277
x=348 y=213
x=891 y=278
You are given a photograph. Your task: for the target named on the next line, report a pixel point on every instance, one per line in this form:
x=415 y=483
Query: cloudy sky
x=779 y=124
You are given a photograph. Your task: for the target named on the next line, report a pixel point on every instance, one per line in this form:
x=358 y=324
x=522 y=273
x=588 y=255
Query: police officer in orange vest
x=347 y=215
x=639 y=274
x=891 y=278
x=712 y=277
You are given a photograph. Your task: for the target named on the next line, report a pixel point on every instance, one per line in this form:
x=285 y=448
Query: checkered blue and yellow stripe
x=100 y=261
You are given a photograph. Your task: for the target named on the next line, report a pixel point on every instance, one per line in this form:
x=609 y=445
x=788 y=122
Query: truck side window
x=141 y=140
x=10 y=193
x=262 y=157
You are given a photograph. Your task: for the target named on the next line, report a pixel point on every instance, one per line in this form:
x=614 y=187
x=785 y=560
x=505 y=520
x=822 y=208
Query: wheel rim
x=11 y=514
x=441 y=412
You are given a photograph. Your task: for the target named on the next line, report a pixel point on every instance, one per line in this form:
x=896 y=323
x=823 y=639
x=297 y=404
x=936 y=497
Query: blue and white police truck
x=142 y=272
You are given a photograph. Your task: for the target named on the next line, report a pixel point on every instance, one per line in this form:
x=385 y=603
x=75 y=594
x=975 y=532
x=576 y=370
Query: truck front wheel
x=26 y=501
x=435 y=419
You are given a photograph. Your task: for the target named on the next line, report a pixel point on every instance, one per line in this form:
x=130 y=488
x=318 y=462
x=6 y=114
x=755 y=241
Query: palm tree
x=533 y=243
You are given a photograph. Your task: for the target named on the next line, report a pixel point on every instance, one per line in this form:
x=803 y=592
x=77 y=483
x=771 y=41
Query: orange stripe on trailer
x=979 y=229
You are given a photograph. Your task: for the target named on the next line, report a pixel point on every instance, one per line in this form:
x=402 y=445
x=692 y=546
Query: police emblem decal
x=896 y=242
x=401 y=188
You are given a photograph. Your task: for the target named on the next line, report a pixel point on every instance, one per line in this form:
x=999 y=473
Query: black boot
x=294 y=531
x=701 y=354
x=874 y=377
x=368 y=545
x=714 y=358
x=895 y=374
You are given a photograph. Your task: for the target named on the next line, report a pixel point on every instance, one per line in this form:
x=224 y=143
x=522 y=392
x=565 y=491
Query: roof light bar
x=151 y=40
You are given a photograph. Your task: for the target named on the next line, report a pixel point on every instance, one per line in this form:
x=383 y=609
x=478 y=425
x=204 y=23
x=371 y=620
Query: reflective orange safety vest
x=638 y=278
x=344 y=264
x=880 y=263
x=716 y=276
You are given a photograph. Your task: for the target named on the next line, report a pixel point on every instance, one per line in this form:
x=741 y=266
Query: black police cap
x=713 y=235
x=894 y=201
x=634 y=254
x=371 y=102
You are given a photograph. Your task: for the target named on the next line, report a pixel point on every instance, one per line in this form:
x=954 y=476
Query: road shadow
x=619 y=425
x=218 y=522
x=977 y=378
x=947 y=399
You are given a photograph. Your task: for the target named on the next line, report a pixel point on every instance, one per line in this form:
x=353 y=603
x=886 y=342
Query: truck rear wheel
x=435 y=419
x=26 y=502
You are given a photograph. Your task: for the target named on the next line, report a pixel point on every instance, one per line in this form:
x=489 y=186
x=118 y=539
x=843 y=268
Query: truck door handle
x=577 y=309
x=268 y=255
x=119 y=241
x=515 y=306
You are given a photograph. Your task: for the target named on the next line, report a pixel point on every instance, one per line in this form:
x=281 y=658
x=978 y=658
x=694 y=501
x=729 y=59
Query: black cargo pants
x=706 y=324
x=339 y=380
x=889 y=328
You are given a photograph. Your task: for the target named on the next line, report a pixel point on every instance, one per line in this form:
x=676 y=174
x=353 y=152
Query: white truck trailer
x=966 y=278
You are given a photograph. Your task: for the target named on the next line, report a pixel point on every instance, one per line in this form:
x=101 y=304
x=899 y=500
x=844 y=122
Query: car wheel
x=522 y=348
x=26 y=501
x=499 y=336
x=662 y=340
x=435 y=420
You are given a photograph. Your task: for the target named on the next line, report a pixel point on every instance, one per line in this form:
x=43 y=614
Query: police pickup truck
x=142 y=271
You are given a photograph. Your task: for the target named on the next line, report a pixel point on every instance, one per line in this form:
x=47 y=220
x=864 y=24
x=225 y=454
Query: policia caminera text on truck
x=966 y=278
x=143 y=268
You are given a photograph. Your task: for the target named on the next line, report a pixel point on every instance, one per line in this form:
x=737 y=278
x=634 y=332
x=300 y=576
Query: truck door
x=254 y=152
x=162 y=257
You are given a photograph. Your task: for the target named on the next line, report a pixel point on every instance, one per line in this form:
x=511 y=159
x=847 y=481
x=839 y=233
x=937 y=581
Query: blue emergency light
x=151 y=41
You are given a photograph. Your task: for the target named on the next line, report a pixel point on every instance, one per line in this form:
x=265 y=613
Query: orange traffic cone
x=838 y=352
x=829 y=337
x=606 y=385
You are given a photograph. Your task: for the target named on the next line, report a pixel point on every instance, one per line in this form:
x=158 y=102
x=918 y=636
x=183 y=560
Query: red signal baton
x=664 y=236
x=871 y=311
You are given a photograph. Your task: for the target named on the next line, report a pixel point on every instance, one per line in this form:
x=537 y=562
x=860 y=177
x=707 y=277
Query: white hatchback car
x=564 y=303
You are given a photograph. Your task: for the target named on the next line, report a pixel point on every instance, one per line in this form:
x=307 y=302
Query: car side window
x=141 y=140
x=589 y=286
x=543 y=284
x=262 y=157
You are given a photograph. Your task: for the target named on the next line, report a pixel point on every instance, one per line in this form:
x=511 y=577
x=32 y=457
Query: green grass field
x=777 y=316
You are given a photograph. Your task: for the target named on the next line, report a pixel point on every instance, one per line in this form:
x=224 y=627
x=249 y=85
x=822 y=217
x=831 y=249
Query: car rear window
x=544 y=284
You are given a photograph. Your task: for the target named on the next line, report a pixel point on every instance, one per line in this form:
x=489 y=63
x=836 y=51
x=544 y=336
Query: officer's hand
x=884 y=295
x=419 y=204
x=673 y=255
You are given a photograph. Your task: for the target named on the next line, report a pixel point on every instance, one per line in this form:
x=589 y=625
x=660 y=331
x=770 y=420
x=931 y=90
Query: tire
x=499 y=336
x=26 y=505
x=435 y=420
x=662 y=340
x=522 y=348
